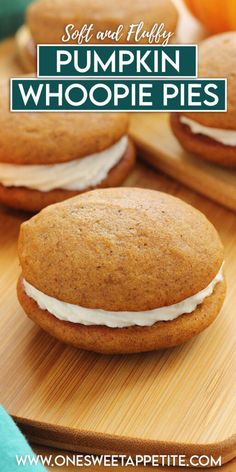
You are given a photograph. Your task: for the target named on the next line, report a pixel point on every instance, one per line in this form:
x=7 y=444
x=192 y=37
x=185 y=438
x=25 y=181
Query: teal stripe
x=12 y=13
x=12 y=443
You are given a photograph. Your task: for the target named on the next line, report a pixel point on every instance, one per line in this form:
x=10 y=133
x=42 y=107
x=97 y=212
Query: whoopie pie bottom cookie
x=103 y=339
x=202 y=146
x=22 y=198
x=121 y=270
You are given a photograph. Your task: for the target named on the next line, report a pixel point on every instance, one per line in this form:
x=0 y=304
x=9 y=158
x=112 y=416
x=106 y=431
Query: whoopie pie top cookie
x=49 y=157
x=121 y=249
x=47 y=18
x=50 y=138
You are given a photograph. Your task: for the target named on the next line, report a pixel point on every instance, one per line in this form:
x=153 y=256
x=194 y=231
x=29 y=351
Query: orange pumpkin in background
x=216 y=15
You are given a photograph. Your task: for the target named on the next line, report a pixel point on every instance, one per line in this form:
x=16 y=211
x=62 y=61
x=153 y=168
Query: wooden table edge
x=102 y=443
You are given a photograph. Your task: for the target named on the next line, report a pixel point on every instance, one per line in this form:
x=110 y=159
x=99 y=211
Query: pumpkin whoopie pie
x=46 y=21
x=48 y=157
x=212 y=136
x=121 y=270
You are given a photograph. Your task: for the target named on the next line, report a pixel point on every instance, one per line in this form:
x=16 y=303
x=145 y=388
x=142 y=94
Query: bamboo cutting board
x=158 y=146
x=180 y=400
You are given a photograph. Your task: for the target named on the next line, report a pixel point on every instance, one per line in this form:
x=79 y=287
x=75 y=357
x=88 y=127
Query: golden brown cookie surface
x=23 y=198
x=127 y=340
x=121 y=249
x=48 y=138
x=217 y=59
x=47 y=18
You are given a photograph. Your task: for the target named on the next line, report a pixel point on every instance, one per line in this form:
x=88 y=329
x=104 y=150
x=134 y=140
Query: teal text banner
x=116 y=95
x=117 y=61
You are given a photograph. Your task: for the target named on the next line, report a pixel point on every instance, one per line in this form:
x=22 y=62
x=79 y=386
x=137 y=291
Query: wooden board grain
x=176 y=401
x=179 y=400
x=158 y=146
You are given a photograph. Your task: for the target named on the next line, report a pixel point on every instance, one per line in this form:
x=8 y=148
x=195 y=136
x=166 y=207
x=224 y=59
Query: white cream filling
x=73 y=175
x=118 y=319
x=223 y=136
